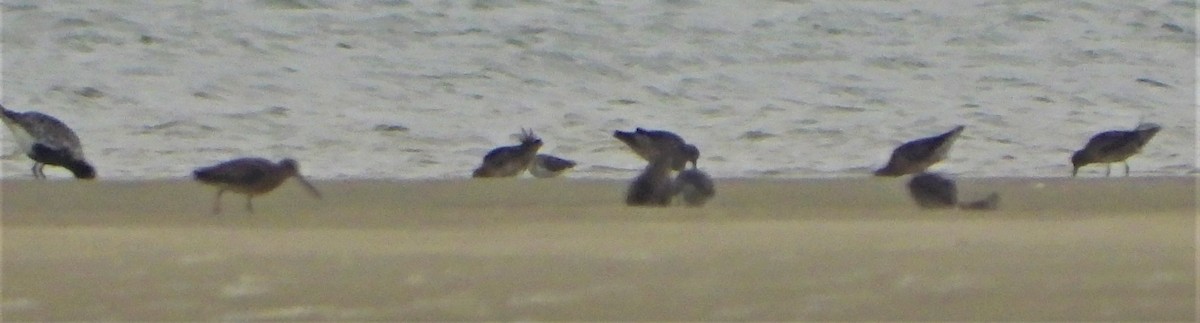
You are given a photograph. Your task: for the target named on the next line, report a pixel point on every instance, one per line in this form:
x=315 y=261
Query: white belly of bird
x=22 y=138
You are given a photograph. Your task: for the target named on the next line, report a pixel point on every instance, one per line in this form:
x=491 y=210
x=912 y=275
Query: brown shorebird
x=653 y=187
x=933 y=191
x=547 y=166
x=510 y=161
x=47 y=141
x=1113 y=146
x=695 y=186
x=917 y=155
x=250 y=176
x=650 y=143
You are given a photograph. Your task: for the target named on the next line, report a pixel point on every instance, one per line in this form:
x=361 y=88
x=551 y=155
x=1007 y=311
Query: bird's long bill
x=308 y=186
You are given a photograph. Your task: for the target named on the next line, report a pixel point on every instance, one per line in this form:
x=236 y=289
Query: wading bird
x=250 y=176
x=917 y=155
x=1113 y=146
x=510 y=161
x=47 y=141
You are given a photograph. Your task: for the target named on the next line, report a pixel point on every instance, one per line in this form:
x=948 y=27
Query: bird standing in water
x=547 y=166
x=651 y=143
x=1113 y=146
x=250 y=176
x=47 y=141
x=917 y=155
x=510 y=161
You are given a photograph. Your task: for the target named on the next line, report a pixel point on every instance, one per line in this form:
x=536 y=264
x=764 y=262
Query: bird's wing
x=240 y=171
x=51 y=132
x=1109 y=142
x=501 y=155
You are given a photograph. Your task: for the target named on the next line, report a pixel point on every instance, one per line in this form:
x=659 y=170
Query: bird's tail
x=202 y=174
x=8 y=114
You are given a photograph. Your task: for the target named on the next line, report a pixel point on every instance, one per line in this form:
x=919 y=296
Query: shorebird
x=932 y=191
x=546 y=166
x=651 y=143
x=917 y=155
x=653 y=187
x=1113 y=146
x=47 y=141
x=510 y=161
x=250 y=176
x=695 y=186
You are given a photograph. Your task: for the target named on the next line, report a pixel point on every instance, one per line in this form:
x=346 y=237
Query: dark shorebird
x=651 y=143
x=47 y=141
x=510 y=161
x=1113 y=146
x=250 y=176
x=917 y=155
x=933 y=191
x=695 y=186
x=547 y=166
x=653 y=187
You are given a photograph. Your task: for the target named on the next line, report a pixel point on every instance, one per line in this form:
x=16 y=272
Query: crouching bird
x=509 y=161
x=1113 y=147
x=915 y=156
x=47 y=141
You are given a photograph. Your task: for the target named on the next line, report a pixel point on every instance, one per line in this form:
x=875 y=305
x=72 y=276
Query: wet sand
x=563 y=249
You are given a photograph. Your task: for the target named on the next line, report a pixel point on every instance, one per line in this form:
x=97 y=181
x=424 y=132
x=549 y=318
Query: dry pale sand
x=822 y=249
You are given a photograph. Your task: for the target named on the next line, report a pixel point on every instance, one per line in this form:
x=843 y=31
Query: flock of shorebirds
x=48 y=141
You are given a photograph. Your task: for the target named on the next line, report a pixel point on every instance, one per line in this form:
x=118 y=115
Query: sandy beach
x=803 y=249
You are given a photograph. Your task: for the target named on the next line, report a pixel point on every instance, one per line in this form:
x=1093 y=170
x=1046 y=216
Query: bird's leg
x=217 y=202
x=37 y=170
x=1108 y=171
x=1126 y=168
x=249 y=207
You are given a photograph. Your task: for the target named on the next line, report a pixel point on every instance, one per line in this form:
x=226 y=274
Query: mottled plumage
x=651 y=143
x=546 y=166
x=1113 y=146
x=250 y=176
x=653 y=187
x=695 y=186
x=917 y=155
x=47 y=141
x=510 y=161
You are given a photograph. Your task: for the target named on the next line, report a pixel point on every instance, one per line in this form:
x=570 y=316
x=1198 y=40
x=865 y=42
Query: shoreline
x=524 y=249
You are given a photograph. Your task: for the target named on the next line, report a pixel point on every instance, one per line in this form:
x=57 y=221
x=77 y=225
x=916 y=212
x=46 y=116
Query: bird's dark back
x=244 y=171
x=556 y=164
x=928 y=147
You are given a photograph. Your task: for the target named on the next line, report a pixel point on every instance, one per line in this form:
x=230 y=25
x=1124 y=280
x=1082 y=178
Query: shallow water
x=422 y=89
